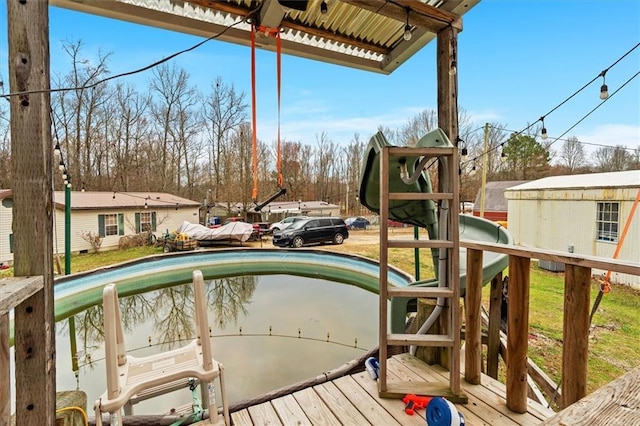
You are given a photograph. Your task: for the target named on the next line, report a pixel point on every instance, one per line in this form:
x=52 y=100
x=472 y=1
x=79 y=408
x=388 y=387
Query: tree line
x=171 y=136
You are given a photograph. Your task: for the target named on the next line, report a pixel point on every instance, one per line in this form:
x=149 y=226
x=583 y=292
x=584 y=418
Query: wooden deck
x=353 y=400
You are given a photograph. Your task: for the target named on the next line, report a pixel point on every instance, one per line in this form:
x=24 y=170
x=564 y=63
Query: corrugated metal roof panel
x=364 y=34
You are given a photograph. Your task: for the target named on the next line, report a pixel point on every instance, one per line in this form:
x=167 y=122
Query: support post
x=67 y=229
x=473 y=330
x=518 y=333
x=31 y=161
x=575 y=348
x=495 y=322
x=447 y=45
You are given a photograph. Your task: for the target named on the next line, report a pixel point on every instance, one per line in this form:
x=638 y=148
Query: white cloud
x=609 y=135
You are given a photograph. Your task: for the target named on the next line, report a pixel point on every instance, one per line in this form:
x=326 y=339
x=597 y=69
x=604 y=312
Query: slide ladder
x=447 y=293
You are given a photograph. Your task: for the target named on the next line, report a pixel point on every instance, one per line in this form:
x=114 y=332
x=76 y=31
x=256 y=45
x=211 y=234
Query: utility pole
x=483 y=187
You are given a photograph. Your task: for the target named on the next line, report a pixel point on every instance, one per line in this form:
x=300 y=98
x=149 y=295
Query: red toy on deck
x=414 y=402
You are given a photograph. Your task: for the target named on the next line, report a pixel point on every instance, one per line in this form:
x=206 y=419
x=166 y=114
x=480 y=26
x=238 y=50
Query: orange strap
x=272 y=32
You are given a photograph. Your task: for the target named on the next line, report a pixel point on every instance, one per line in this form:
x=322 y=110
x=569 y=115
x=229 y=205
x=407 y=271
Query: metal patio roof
x=363 y=34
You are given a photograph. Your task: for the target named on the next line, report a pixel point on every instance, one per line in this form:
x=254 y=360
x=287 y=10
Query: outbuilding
x=593 y=214
x=495 y=204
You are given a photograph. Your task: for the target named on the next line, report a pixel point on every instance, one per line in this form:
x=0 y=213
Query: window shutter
x=137 y=223
x=101 y=230
x=120 y=224
x=153 y=221
x=10 y=243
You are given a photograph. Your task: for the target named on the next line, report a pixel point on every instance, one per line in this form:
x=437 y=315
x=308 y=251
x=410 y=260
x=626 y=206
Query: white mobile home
x=106 y=215
x=593 y=214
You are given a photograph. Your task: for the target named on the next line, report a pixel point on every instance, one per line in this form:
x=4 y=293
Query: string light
x=61 y=165
x=604 y=90
x=323 y=7
x=407 y=27
x=544 y=129
x=56 y=149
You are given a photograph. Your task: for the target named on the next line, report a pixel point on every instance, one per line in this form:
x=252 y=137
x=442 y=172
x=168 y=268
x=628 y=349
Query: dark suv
x=312 y=230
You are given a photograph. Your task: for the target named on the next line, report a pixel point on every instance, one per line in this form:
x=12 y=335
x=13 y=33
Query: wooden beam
x=494 y=328
x=5 y=372
x=473 y=302
x=31 y=167
x=615 y=265
x=421 y=15
x=575 y=347
x=517 y=333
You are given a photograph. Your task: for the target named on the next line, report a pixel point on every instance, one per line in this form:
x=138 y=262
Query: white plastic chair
x=127 y=375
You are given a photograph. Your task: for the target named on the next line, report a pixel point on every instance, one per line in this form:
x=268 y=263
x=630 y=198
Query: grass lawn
x=615 y=332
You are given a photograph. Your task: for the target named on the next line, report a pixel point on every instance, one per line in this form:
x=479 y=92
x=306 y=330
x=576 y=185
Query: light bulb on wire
x=407 y=28
x=543 y=132
x=56 y=149
x=604 y=90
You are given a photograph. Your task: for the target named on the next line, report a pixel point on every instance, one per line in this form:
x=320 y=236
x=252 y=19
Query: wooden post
x=5 y=364
x=448 y=122
x=495 y=322
x=473 y=302
x=577 y=283
x=517 y=333
x=31 y=161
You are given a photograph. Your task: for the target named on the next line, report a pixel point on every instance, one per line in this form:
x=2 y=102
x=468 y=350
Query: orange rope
x=254 y=126
x=272 y=32
x=279 y=72
x=605 y=285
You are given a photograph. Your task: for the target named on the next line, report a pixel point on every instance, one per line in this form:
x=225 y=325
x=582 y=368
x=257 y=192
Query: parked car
x=285 y=223
x=357 y=222
x=312 y=230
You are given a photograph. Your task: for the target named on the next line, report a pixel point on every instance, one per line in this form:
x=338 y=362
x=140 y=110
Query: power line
x=541 y=119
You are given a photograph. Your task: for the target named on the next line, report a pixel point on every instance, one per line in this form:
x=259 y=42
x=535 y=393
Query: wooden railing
x=577 y=285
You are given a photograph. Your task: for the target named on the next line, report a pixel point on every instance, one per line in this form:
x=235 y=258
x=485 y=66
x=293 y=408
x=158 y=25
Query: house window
x=145 y=222
x=110 y=224
x=607 y=222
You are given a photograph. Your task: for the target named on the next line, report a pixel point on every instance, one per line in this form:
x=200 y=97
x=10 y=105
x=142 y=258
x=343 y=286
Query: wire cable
x=136 y=71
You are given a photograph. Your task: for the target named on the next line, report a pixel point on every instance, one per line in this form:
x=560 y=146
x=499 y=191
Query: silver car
x=285 y=223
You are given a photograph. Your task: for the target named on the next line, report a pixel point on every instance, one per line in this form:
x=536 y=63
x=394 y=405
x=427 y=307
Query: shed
x=495 y=204
x=587 y=214
x=108 y=215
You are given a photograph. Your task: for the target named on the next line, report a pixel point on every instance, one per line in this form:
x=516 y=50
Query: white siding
x=6 y=218
x=559 y=218
x=87 y=221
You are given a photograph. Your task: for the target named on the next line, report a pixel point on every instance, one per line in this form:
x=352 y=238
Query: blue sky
x=517 y=61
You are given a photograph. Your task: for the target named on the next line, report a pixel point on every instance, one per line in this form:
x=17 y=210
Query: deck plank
x=369 y=407
x=616 y=403
x=394 y=407
x=476 y=412
x=290 y=411
x=264 y=414
x=241 y=417
x=339 y=404
x=315 y=408
x=490 y=396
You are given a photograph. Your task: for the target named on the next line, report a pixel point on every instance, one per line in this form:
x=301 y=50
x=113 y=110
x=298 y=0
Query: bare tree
x=176 y=121
x=78 y=114
x=572 y=154
x=5 y=148
x=224 y=110
x=612 y=159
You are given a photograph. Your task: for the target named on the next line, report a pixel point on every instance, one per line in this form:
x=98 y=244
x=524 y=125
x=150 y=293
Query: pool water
x=268 y=331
